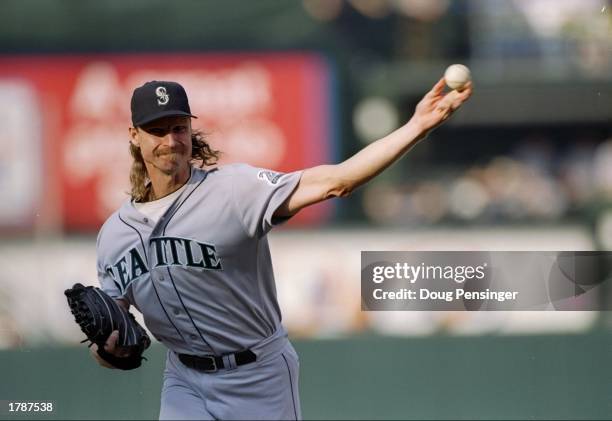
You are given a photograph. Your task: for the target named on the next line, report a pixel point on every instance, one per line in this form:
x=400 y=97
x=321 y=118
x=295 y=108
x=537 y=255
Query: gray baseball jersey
x=202 y=275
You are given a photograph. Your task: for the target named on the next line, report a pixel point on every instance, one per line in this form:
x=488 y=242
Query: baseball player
x=189 y=250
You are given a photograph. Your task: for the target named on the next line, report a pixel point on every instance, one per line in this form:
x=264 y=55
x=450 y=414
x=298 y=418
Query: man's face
x=165 y=144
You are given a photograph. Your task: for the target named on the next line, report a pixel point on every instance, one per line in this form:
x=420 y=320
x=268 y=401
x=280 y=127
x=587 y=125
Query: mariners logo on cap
x=157 y=99
x=162 y=95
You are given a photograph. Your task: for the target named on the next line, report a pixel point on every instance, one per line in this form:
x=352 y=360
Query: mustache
x=169 y=151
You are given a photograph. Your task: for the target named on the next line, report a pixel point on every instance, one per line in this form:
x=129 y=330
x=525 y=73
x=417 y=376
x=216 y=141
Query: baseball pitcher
x=189 y=250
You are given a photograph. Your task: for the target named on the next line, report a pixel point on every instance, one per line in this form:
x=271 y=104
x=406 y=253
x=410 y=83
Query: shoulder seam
x=103 y=227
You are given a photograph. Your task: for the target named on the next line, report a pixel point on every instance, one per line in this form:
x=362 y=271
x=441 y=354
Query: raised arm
x=326 y=181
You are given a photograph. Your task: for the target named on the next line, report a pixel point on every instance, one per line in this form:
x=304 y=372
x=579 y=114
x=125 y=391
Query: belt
x=211 y=363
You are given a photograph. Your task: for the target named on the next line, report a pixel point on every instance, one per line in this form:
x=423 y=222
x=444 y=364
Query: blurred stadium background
x=526 y=165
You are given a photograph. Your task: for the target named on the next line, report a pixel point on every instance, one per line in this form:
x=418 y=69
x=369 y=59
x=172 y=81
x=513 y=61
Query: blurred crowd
x=536 y=183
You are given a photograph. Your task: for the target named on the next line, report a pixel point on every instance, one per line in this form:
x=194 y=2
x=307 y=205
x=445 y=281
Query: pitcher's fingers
x=459 y=101
x=437 y=89
x=461 y=96
x=111 y=342
x=466 y=92
x=449 y=99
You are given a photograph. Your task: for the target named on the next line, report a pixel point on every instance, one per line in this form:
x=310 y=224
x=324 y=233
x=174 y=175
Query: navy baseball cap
x=157 y=99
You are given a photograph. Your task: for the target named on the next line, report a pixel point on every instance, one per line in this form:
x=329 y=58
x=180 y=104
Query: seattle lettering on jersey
x=166 y=251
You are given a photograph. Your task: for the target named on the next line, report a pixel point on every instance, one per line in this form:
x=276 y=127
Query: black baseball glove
x=99 y=315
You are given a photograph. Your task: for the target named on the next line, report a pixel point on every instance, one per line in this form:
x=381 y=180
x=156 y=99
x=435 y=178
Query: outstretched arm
x=326 y=181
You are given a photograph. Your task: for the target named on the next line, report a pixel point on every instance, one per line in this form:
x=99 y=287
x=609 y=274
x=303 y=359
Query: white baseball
x=456 y=76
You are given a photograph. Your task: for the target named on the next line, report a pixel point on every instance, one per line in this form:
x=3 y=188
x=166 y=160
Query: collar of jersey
x=197 y=175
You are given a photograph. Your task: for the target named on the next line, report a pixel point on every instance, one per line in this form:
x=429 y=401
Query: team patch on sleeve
x=270 y=177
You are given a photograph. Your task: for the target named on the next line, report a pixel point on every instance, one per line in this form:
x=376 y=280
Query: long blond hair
x=201 y=154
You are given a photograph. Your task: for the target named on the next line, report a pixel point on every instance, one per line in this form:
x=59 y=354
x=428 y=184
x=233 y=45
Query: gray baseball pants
x=266 y=389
